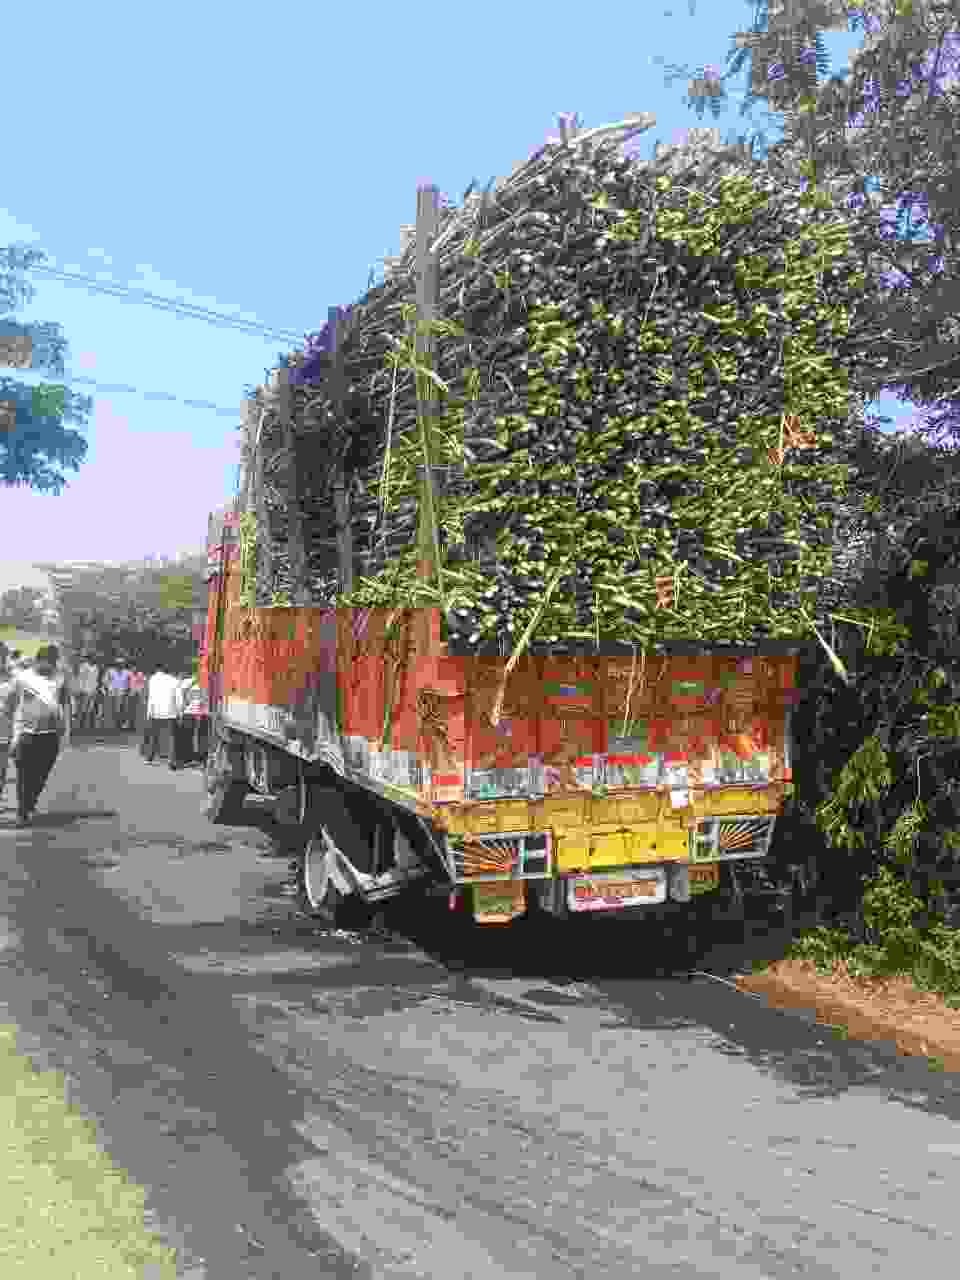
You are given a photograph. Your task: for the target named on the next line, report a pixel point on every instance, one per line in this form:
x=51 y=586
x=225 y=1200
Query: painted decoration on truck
x=708 y=721
x=745 y=836
x=280 y=679
x=396 y=702
x=570 y=734
x=497 y=758
x=499 y=903
x=523 y=855
x=373 y=689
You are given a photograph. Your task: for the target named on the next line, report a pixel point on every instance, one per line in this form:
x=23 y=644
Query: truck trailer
x=609 y=782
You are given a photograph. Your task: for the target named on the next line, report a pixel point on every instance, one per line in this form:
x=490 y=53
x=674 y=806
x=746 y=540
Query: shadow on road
x=659 y=981
x=65 y=817
x=591 y=946
x=81 y=738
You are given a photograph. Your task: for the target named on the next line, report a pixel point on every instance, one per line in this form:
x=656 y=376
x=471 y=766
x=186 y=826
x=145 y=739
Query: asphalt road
x=307 y=1104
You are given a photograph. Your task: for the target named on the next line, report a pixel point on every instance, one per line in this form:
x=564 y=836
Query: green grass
x=65 y=1209
x=28 y=642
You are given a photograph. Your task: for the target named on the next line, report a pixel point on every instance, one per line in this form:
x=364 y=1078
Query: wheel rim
x=316 y=872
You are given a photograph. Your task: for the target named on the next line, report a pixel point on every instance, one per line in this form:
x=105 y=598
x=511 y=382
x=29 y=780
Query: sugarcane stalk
x=522 y=643
x=428 y=222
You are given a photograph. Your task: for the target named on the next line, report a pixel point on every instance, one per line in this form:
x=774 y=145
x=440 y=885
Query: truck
x=609 y=784
x=388 y=742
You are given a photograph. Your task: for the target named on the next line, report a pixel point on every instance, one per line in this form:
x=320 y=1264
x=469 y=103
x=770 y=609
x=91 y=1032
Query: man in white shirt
x=164 y=700
x=39 y=702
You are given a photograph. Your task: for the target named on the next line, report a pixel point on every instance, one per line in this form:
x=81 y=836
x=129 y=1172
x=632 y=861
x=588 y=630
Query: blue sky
x=260 y=164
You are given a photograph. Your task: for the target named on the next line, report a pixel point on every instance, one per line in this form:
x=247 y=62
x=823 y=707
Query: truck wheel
x=317 y=894
x=224 y=795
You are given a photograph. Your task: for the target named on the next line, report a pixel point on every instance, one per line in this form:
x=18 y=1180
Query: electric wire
x=122 y=388
x=187 y=309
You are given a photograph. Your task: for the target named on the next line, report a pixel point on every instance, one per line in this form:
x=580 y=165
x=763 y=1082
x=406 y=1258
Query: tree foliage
x=36 y=443
x=141 y=612
x=884 y=136
x=22 y=607
x=877 y=758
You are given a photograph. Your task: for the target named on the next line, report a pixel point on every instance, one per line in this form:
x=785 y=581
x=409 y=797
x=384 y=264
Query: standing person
x=163 y=708
x=87 y=679
x=6 y=715
x=190 y=726
x=40 y=705
x=106 y=700
x=119 y=690
x=197 y=705
x=97 y=704
x=138 y=687
x=75 y=687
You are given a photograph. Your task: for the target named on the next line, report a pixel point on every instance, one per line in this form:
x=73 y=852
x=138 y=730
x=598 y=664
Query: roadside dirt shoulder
x=919 y=1023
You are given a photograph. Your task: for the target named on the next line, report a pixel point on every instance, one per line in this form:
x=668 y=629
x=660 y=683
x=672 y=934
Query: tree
x=877 y=755
x=23 y=607
x=36 y=445
x=877 y=759
x=884 y=138
x=143 y=613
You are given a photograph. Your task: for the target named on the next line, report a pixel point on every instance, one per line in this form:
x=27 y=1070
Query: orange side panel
x=509 y=745
x=571 y=724
x=561 y=713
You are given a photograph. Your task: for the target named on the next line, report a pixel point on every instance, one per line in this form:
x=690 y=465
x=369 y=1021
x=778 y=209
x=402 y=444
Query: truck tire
x=317 y=895
x=224 y=794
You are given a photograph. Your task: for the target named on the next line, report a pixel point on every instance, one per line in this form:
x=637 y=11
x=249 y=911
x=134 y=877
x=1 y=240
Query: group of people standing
x=176 y=718
x=42 y=701
x=110 y=697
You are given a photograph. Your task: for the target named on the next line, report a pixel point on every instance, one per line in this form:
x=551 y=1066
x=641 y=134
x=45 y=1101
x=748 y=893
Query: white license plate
x=616 y=890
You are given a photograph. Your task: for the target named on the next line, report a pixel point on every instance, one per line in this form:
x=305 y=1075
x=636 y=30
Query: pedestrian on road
x=189 y=735
x=6 y=716
x=75 y=686
x=163 y=709
x=102 y=697
x=119 y=689
x=85 y=696
x=40 y=705
x=106 y=699
x=138 y=693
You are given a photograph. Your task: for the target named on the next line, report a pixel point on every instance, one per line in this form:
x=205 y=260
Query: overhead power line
x=115 y=387
x=187 y=309
x=122 y=388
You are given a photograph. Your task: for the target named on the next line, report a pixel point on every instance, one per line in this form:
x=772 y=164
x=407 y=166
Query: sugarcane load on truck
x=529 y=539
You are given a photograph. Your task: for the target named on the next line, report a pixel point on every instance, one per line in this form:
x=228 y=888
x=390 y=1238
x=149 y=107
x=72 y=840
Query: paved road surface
x=301 y=1104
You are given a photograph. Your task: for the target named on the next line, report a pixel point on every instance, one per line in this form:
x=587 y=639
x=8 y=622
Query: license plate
x=595 y=893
